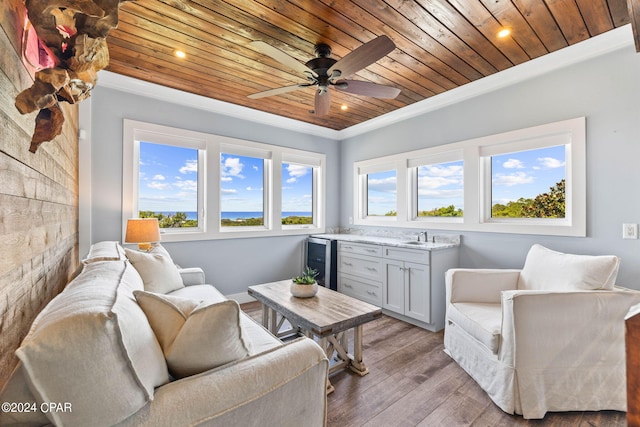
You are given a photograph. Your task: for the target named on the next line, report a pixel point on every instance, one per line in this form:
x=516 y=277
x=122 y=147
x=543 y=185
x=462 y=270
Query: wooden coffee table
x=329 y=315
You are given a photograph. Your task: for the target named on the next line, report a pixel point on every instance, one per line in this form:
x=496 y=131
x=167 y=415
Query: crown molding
x=593 y=47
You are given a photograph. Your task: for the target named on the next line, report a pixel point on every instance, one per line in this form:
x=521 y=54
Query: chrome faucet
x=423 y=233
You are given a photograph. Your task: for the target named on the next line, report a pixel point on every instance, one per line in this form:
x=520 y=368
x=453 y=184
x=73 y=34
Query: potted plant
x=305 y=285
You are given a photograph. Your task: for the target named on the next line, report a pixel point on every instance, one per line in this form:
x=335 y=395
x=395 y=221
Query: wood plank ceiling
x=440 y=45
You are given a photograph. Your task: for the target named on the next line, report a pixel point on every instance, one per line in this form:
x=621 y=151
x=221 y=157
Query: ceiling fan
x=324 y=72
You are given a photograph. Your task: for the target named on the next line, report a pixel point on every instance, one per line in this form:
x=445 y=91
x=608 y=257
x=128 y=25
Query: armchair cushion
x=545 y=269
x=195 y=336
x=480 y=320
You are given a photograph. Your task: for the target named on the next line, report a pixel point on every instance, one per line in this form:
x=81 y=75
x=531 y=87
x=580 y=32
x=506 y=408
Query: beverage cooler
x=321 y=254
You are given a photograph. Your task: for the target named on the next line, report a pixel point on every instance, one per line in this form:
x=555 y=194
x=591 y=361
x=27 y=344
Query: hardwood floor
x=412 y=382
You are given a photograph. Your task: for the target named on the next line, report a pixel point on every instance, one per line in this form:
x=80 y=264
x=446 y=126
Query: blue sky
x=168 y=178
x=168 y=181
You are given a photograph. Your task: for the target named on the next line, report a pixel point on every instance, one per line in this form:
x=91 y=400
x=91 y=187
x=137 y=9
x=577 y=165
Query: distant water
x=241 y=215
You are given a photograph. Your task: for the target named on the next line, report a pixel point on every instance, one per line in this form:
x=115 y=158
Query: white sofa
x=102 y=360
x=549 y=337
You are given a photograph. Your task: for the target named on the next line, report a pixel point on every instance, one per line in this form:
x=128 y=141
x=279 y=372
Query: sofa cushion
x=92 y=346
x=482 y=321
x=199 y=292
x=16 y=391
x=157 y=270
x=195 y=335
x=105 y=251
x=549 y=270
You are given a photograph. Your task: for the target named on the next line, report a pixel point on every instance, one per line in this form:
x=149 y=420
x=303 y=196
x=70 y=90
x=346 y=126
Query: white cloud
x=253 y=189
x=386 y=185
x=298 y=170
x=191 y=166
x=231 y=167
x=430 y=182
x=226 y=179
x=291 y=180
x=158 y=177
x=228 y=190
x=513 y=164
x=441 y=194
x=550 y=162
x=158 y=185
x=512 y=179
x=187 y=185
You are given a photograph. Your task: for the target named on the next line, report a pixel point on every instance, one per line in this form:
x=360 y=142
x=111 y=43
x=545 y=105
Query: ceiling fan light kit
x=324 y=72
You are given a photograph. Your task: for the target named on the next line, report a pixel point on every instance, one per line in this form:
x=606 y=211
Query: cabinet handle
x=347 y=247
x=372 y=293
x=347 y=263
x=347 y=286
x=371 y=269
x=371 y=250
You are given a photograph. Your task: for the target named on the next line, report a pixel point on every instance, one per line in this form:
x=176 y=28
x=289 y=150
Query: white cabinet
x=407 y=283
x=406 y=288
x=360 y=271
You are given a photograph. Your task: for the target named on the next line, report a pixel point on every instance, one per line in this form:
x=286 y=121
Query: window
x=381 y=194
x=168 y=185
x=529 y=181
x=297 y=194
x=241 y=191
x=439 y=190
x=529 y=184
x=202 y=186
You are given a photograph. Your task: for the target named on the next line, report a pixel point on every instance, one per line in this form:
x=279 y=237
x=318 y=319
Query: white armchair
x=549 y=337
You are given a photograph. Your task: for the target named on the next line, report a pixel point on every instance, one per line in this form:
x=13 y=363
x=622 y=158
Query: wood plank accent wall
x=38 y=201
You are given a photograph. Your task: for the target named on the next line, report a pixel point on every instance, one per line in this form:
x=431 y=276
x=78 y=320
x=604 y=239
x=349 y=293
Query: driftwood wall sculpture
x=75 y=32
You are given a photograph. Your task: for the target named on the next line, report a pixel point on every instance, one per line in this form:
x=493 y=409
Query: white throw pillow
x=545 y=269
x=93 y=347
x=159 y=273
x=195 y=336
x=105 y=251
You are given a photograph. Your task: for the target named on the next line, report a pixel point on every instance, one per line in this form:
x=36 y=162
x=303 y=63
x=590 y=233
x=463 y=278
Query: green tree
x=179 y=219
x=445 y=211
x=548 y=205
x=544 y=205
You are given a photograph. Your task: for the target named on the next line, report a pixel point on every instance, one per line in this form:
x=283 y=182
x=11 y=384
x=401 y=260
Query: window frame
x=477 y=182
x=210 y=147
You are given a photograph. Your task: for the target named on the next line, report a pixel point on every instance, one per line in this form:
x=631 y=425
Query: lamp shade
x=143 y=231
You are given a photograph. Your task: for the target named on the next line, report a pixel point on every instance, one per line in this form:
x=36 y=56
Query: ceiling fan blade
x=276 y=91
x=363 y=56
x=322 y=102
x=367 y=89
x=282 y=57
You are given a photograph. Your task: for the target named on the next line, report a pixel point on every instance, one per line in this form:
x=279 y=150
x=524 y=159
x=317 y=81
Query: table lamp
x=143 y=231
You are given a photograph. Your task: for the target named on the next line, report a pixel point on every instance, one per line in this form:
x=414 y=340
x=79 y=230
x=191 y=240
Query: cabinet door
x=393 y=286
x=417 y=297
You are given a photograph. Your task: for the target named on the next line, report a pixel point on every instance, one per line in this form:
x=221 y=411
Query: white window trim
x=477 y=182
x=211 y=146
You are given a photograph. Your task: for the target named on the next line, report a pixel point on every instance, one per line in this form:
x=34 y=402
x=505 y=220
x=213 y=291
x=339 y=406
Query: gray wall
x=230 y=264
x=605 y=90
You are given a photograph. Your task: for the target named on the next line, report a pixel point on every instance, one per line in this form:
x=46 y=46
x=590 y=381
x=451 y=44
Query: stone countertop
x=442 y=242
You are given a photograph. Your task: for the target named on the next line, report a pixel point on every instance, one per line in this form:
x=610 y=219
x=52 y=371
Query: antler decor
x=75 y=32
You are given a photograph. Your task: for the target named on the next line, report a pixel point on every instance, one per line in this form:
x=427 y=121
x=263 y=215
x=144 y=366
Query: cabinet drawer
x=363 y=290
x=361 y=249
x=367 y=267
x=411 y=255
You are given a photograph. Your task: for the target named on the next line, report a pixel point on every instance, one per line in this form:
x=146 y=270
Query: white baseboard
x=241 y=298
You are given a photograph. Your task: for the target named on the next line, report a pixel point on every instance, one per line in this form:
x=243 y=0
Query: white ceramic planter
x=303 y=291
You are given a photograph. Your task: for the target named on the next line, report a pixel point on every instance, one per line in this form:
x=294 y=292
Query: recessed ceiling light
x=344 y=107
x=504 y=32
x=180 y=54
